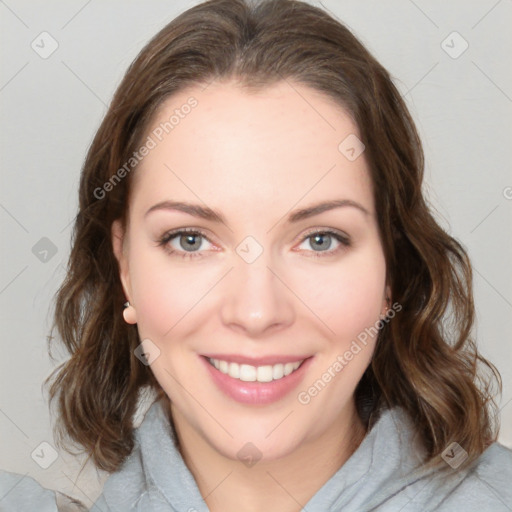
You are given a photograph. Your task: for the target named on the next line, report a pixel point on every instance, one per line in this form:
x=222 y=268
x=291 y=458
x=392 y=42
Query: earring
x=384 y=315
x=129 y=314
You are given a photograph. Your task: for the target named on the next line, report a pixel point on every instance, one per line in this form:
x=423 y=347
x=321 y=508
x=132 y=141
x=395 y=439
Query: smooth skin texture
x=255 y=158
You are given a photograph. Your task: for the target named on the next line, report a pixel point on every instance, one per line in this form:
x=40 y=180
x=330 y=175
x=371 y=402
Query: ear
x=119 y=248
x=387 y=300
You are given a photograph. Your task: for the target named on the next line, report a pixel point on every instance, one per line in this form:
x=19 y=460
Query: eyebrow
x=206 y=213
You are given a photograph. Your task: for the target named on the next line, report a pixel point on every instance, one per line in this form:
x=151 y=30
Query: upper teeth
x=249 y=373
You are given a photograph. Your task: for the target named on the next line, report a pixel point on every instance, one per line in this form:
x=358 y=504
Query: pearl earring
x=129 y=314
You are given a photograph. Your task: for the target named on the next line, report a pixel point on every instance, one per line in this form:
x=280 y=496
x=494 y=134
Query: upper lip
x=257 y=361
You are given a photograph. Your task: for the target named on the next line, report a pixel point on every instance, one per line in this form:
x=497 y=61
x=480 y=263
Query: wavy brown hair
x=425 y=361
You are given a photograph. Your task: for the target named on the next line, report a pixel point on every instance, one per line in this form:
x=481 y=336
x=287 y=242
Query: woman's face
x=264 y=286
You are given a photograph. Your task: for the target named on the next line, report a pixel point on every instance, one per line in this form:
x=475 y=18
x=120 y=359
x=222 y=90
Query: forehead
x=224 y=145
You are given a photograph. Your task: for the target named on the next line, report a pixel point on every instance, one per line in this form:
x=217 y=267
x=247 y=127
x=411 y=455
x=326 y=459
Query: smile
x=249 y=373
x=267 y=380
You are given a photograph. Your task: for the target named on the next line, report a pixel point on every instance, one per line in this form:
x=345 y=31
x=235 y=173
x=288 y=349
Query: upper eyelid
x=173 y=233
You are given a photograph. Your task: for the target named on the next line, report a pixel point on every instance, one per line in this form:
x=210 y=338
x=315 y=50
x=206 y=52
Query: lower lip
x=256 y=393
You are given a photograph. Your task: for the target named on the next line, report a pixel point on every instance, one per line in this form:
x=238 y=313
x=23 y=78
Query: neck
x=285 y=484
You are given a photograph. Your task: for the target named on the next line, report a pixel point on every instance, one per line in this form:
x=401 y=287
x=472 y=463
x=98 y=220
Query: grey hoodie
x=379 y=476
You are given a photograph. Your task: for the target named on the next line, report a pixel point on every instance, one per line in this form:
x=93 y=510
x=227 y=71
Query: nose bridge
x=255 y=299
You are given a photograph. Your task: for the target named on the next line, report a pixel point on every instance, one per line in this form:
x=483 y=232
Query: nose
x=256 y=299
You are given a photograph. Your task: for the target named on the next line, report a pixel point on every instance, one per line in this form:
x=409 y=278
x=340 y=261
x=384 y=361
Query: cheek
x=346 y=296
x=165 y=289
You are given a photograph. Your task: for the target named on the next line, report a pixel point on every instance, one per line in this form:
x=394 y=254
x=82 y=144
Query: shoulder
x=495 y=461
x=20 y=493
x=129 y=487
x=483 y=485
x=486 y=485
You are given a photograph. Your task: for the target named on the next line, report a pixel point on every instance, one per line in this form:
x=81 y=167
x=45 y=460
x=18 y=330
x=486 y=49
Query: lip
x=256 y=393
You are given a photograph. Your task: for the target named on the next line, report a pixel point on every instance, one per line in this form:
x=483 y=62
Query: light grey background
x=51 y=107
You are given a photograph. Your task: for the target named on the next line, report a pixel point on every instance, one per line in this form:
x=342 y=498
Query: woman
x=252 y=244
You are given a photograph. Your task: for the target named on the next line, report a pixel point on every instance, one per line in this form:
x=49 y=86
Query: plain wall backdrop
x=60 y=65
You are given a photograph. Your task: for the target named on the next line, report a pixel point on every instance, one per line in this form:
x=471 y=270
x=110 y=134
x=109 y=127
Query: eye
x=187 y=243
x=184 y=242
x=323 y=240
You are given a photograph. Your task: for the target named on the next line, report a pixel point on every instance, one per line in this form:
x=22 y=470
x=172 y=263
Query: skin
x=255 y=158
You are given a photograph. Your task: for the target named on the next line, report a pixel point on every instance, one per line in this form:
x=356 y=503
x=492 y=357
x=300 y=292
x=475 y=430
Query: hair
x=426 y=360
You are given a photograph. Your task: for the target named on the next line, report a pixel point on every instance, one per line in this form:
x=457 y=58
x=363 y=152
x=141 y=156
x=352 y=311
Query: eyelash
x=167 y=237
